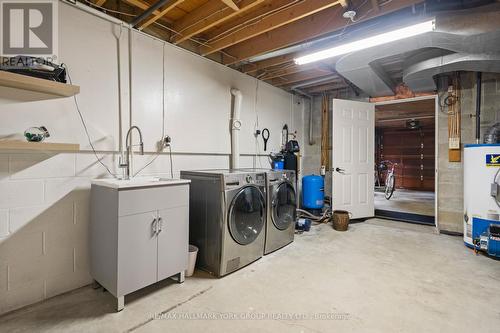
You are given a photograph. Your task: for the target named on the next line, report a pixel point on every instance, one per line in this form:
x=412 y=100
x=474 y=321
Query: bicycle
x=390 y=177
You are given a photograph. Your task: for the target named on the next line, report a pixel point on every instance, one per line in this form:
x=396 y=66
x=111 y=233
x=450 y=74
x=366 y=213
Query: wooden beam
x=298 y=77
x=292 y=69
x=259 y=65
x=344 y=3
x=397 y=97
x=231 y=4
x=207 y=16
x=282 y=72
x=240 y=21
x=100 y=2
x=324 y=22
x=144 y=5
x=162 y=13
x=324 y=87
x=268 y=23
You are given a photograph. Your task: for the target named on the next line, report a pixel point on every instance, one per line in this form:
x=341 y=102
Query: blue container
x=313 y=192
x=278 y=165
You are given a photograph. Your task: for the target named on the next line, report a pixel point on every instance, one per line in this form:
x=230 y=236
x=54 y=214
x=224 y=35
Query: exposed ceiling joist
x=282 y=18
x=171 y=5
x=144 y=6
x=317 y=80
x=299 y=77
x=100 y=2
x=375 y=5
x=324 y=87
x=324 y=22
x=259 y=65
x=231 y=4
x=244 y=19
x=291 y=69
x=344 y=3
x=207 y=16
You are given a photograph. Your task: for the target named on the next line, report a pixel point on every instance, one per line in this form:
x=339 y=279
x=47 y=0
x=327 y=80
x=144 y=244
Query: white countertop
x=138 y=182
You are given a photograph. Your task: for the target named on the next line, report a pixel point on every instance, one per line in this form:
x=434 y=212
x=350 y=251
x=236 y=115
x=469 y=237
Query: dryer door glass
x=246 y=215
x=284 y=206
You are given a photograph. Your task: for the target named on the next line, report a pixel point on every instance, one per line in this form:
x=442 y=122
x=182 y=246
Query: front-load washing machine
x=281 y=208
x=227 y=218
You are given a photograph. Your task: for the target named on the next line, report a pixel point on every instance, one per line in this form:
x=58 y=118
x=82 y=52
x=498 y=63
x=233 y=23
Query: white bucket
x=193 y=252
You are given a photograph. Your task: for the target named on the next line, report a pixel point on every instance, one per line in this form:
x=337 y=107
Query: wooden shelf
x=33 y=84
x=37 y=146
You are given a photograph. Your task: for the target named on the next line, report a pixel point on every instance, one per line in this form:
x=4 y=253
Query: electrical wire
x=109 y=10
x=171 y=163
x=158 y=24
x=99 y=159
x=163 y=125
x=256 y=126
x=251 y=22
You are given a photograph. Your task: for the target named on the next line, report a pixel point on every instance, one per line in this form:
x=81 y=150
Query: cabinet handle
x=160 y=224
x=154 y=227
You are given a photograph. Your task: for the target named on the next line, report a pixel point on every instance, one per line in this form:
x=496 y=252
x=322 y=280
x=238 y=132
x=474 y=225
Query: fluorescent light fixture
x=384 y=38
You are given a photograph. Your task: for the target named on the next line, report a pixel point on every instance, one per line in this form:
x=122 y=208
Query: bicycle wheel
x=389 y=186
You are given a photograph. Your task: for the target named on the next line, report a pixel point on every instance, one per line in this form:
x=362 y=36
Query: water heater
x=481 y=190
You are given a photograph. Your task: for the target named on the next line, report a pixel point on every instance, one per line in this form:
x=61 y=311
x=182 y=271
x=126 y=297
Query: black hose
x=478 y=106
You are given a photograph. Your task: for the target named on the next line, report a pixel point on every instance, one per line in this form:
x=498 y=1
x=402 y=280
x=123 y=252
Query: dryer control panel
x=241 y=179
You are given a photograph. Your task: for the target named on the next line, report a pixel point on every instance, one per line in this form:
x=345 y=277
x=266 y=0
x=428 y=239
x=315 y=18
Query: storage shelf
x=33 y=84
x=37 y=146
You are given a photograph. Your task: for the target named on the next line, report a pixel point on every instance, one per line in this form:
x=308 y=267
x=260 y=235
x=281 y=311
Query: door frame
x=436 y=143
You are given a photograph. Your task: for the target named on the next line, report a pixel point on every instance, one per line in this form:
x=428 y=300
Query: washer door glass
x=246 y=215
x=284 y=206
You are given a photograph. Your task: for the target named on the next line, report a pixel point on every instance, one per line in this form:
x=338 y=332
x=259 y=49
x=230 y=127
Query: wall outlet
x=164 y=143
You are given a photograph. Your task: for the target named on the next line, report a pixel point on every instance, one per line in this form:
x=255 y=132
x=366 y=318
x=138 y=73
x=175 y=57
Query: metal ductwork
x=462 y=41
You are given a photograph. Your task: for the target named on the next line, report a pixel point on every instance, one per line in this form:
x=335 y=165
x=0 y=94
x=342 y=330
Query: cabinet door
x=137 y=256
x=173 y=241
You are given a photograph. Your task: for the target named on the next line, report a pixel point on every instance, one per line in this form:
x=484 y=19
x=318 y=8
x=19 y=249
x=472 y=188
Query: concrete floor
x=380 y=276
x=407 y=201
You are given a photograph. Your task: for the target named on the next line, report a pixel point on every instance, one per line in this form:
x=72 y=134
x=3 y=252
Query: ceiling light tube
x=365 y=43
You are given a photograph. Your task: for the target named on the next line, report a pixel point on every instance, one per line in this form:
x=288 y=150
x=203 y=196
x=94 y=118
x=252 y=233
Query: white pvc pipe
x=235 y=129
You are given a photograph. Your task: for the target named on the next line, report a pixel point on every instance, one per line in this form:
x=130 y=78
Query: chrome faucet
x=126 y=165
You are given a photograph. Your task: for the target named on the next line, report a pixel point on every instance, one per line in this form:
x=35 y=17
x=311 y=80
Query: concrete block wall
x=44 y=198
x=450 y=179
x=312 y=153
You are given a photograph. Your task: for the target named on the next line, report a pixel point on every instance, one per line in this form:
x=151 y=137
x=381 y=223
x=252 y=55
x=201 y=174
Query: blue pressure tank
x=313 y=192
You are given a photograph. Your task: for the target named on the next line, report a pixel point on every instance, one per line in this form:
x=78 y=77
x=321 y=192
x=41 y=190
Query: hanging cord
x=256 y=126
x=85 y=126
x=162 y=126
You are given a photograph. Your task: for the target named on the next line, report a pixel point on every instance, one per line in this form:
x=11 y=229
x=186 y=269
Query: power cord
x=85 y=126
x=164 y=140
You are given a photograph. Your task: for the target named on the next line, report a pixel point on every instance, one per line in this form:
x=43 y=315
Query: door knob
x=339 y=170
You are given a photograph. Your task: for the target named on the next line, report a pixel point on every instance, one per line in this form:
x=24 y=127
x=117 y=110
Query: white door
x=353 y=140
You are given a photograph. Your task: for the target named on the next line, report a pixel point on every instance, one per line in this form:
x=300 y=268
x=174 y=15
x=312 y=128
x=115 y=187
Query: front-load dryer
x=227 y=218
x=281 y=208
